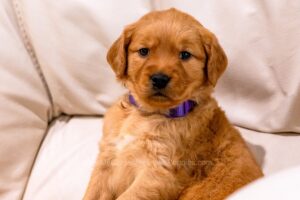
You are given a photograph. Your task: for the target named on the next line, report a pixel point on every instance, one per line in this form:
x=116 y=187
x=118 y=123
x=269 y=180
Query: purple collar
x=180 y=111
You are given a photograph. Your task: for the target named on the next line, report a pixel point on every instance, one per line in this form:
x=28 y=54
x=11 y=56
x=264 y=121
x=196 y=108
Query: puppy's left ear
x=117 y=54
x=216 y=58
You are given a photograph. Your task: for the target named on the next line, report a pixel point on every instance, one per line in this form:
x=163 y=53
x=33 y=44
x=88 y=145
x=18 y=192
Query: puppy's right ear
x=117 y=54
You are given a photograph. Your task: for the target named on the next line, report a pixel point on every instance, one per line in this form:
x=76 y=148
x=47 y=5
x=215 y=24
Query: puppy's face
x=166 y=58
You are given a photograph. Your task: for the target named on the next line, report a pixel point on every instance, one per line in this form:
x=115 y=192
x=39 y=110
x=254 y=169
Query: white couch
x=55 y=84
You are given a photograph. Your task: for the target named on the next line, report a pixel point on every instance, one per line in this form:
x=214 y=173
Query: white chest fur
x=124 y=140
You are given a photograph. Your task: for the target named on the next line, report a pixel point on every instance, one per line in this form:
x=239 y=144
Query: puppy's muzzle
x=159 y=81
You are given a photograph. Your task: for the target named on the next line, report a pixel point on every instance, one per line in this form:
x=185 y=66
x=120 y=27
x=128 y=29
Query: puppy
x=167 y=138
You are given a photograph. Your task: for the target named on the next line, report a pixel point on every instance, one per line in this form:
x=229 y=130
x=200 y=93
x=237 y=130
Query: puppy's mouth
x=160 y=96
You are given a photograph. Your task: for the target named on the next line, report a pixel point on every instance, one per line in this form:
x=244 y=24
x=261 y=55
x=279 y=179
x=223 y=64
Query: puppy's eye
x=144 y=52
x=184 y=55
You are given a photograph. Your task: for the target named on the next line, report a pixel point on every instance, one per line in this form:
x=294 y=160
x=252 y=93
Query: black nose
x=159 y=81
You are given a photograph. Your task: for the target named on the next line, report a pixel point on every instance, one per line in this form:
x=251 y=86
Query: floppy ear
x=117 y=54
x=216 y=59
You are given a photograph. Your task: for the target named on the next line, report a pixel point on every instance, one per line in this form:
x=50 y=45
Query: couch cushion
x=66 y=159
x=273 y=152
x=24 y=107
x=71 y=41
x=259 y=90
x=68 y=154
x=282 y=185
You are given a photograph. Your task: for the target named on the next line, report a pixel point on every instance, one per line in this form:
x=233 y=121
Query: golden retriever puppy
x=167 y=138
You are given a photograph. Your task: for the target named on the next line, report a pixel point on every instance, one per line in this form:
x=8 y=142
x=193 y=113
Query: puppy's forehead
x=171 y=29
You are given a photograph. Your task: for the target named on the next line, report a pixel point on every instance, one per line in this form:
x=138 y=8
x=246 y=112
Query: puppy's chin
x=159 y=100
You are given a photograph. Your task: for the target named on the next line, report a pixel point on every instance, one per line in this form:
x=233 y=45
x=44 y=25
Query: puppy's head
x=166 y=58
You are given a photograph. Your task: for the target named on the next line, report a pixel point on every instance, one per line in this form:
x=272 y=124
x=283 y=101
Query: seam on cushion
x=35 y=159
x=32 y=54
x=29 y=47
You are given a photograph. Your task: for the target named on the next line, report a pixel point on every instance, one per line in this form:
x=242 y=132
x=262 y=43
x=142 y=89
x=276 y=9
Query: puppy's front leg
x=97 y=188
x=154 y=184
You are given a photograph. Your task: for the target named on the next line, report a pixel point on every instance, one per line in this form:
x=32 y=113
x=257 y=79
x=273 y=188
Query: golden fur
x=144 y=154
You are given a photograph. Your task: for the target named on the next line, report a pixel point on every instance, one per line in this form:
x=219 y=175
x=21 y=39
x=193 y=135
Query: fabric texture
x=66 y=159
x=283 y=185
x=24 y=107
